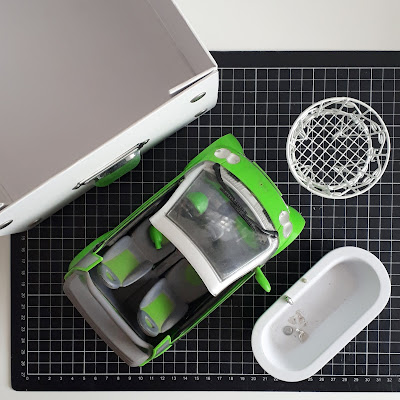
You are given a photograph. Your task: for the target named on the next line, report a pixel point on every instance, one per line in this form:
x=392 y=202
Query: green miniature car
x=166 y=267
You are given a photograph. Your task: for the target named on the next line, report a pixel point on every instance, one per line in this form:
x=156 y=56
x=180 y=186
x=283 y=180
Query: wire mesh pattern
x=54 y=346
x=338 y=148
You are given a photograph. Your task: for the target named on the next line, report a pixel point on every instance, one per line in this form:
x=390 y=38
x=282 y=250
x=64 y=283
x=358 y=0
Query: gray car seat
x=168 y=300
x=131 y=257
x=102 y=317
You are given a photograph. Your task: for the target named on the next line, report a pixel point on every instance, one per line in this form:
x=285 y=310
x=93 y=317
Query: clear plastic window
x=206 y=216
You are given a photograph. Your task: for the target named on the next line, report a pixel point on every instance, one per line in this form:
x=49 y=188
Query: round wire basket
x=338 y=148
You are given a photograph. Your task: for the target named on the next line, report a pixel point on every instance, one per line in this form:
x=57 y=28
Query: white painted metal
x=84 y=83
x=326 y=309
x=57 y=191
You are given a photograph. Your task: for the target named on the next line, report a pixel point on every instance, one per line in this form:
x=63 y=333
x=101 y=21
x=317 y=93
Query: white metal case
x=85 y=88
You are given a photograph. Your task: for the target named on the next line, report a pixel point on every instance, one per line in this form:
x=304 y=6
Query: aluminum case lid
x=74 y=74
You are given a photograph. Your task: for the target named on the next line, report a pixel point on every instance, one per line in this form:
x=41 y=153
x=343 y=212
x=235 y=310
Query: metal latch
x=114 y=170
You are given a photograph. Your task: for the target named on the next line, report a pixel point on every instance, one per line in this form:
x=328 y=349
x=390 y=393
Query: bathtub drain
x=287 y=330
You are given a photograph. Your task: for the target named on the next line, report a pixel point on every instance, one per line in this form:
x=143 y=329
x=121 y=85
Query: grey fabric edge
x=102 y=271
x=131 y=349
x=182 y=288
x=88 y=260
x=142 y=269
x=180 y=307
x=113 y=314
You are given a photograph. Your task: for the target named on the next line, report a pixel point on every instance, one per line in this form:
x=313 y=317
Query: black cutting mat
x=261 y=94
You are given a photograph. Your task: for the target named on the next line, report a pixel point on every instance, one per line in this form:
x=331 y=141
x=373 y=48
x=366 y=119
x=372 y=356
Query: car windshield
x=205 y=214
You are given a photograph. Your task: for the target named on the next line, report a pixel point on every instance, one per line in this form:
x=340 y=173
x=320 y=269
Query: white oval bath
x=334 y=301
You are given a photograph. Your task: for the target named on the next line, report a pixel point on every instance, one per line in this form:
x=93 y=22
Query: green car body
x=256 y=181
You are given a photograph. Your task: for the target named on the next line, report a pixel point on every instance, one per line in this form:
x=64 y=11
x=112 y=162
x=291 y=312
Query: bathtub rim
x=327 y=262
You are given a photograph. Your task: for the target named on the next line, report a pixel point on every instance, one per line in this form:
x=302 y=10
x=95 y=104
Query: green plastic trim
x=255 y=179
x=86 y=251
x=122 y=264
x=100 y=241
x=262 y=280
x=269 y=179
x=199 y=201
x=161 y=348
x=140 y=209
x=248 y=172
x=113 y=176
x=159 y=309
x=156 y=237
x=298 y=224
x=98 y=260
x=228 y=142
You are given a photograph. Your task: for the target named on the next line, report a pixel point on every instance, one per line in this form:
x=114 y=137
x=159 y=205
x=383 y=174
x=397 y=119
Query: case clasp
x=123 y=164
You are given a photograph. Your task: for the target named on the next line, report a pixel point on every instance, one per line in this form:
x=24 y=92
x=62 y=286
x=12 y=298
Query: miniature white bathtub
x=332 y=303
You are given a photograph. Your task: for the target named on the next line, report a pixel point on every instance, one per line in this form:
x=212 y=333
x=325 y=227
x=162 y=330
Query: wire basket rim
x=333 y=101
